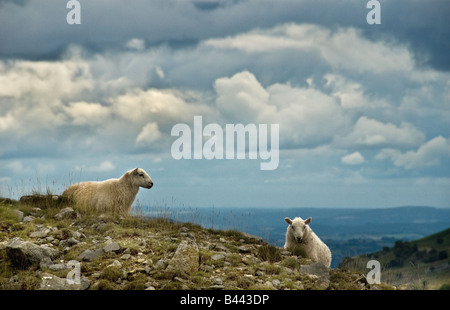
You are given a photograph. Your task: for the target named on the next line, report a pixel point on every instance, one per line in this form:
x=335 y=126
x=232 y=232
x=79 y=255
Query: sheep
x=111 y=196
x=299 y=236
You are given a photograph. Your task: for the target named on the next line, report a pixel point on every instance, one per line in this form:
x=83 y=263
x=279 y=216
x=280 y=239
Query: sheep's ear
x=288 y=220
x=135 y=171
x=308 y=220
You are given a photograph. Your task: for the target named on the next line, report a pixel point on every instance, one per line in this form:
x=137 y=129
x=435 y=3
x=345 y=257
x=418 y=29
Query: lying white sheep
x=301 y=237
x=113 y=195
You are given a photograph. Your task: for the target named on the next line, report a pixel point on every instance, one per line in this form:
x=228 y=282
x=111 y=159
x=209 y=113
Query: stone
x=253 y=238
x=125 y=256
x=185 y=259
x=111 y=246
x=19 y=214
x=77 y=235
x=116 y=264
x=218 y=256
x=28 y=218
x=159 y=264
x=72 y=241
x=42 y=233
x=56 y=267
x=52 y=282
x=66 y=213
x=90 y=255
x=23 y=254
x=244 y=249
x=318 y=270
x=250 y=260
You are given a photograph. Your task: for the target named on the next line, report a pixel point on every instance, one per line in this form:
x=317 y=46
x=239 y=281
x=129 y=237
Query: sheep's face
x=141 y=178
x=298 y=228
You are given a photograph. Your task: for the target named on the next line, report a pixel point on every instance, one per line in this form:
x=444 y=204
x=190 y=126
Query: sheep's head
x=298 y=228
x=141 y=178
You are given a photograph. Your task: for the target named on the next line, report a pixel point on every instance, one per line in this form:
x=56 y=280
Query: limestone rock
x=42 y=233
x=23 y=254
x=111 y=246
x=185 y=259
x=66 y=213
x=91 y=254
x=19 y=214
x=52 y=282
x=318 y=270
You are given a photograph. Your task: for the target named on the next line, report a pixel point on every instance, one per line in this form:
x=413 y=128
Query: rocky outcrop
x=22 y=254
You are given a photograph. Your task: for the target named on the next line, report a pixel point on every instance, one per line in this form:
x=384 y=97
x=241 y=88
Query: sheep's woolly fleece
x=300 y=235
x=113 y=195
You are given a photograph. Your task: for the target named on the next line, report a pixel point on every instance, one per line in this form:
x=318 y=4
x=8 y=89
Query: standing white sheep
x=113 y=195
x=300 y=236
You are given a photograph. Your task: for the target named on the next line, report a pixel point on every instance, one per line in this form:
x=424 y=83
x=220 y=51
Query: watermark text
x=231 y=144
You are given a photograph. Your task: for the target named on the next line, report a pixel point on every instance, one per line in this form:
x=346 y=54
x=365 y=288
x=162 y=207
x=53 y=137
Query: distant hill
x=422 y=264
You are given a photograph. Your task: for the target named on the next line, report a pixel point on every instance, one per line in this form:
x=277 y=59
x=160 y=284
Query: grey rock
x=42 y=233
x=111 y=246
x=218 y=256
x=91 y=254
x=56 y=267
x=28 y=218
x=19 y=214
x=77 y=235
x=220 y=247
x=318 y=270
x=52 y=282
x=244 y=249
x=66 y=213
x=72 y=241
x=23 y=254
x=276 y=282
x=250 y=260
x=254 y=238
x=185 y=259
x=116 y=264
x=159 y=264
x=125 y=256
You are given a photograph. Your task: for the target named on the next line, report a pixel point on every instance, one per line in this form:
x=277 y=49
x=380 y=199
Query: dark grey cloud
x=35 y=31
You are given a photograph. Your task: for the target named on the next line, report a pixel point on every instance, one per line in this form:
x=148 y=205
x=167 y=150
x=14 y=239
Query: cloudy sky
x=363 y=110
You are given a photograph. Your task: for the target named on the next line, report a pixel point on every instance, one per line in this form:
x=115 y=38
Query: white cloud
x=372 y=133
x=85 y=113
x=353 y=159
x=344 y=48
x=428 y=154
x=301 y=112
x=31 y=93
x=136 y=44
x=241 y=97
x=141 y=106
x=45 y=81
x=351 y=93
x=149 y=134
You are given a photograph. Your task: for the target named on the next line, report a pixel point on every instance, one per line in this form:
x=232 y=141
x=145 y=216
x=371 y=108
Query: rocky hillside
x=46 y=244
x=419 y=264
